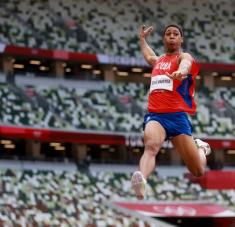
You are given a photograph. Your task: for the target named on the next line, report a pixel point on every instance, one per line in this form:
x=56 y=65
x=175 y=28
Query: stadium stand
x=56 y=198
x=32 y=197
x=160 y=188
x=19 y=109
x=37 y=197
x=60 y=25
x=114 y=107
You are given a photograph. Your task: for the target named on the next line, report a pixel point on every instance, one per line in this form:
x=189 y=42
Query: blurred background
x=73 y=93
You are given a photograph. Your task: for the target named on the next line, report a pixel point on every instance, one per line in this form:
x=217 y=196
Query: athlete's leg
x=154 y=136
x=194 y=157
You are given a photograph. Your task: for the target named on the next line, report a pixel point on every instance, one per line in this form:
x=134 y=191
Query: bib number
x=161 y=82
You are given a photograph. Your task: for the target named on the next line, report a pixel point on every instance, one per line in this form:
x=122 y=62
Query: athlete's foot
x=205 y=146
x=138 y=183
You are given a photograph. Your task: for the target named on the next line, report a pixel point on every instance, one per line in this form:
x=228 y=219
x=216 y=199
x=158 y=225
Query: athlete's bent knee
x=151 y=148
x=198 y=172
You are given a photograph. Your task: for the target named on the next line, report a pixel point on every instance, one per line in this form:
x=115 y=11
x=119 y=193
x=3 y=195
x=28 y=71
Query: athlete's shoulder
x=185 y=55
x=158 y=59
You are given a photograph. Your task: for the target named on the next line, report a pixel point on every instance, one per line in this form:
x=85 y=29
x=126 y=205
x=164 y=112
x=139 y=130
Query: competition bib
x=161 y=82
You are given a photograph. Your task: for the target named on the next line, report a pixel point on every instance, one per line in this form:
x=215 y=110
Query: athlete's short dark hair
x=175 y=26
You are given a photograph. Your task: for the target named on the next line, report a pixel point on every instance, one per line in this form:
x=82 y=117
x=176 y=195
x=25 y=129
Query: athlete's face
x=172 y=39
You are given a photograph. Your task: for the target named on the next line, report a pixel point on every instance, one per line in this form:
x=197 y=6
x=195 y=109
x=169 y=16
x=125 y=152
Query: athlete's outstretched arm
x=146 y=50
x=185 y=64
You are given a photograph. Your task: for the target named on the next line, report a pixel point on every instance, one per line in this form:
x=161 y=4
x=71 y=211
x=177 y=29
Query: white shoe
x=204 y=145
x=138 y=183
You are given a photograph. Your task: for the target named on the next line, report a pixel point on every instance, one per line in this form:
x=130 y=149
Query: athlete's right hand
x=144 y=32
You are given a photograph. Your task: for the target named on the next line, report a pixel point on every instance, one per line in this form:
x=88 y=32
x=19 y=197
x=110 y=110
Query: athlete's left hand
x=176 y=75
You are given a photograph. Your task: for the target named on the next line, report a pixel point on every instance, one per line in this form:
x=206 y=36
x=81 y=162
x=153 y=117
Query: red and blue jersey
x=167 y=95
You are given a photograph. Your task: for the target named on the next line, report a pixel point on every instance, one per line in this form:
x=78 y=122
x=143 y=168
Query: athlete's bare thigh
x=188 y=150
x=154 y=135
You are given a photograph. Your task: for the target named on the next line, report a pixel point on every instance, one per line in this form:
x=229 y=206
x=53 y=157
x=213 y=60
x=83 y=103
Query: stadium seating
x=114 y=107
x=14 y=32
x=159 y=188
x=52 y=198
x=75 y=198
x=111 y=28
x=19 y=109
x=215 y=114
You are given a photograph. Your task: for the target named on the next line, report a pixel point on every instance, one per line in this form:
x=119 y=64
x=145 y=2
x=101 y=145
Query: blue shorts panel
x=173 y=123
